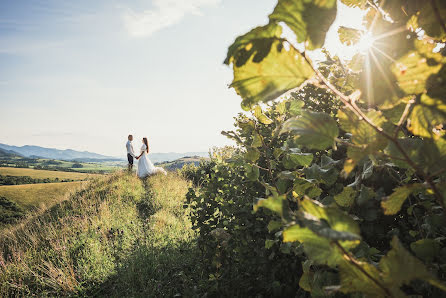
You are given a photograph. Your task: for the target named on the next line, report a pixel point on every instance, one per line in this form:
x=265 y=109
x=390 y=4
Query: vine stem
x=404 y=116
x=355 y=263
x=350 y=103
x=437 y=15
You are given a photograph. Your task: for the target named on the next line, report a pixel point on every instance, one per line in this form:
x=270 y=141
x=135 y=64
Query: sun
x=365 y=42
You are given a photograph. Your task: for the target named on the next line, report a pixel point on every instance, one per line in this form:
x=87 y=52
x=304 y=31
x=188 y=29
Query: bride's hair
x=144 y=140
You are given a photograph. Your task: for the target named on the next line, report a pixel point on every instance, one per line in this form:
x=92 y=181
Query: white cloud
x=165 y=13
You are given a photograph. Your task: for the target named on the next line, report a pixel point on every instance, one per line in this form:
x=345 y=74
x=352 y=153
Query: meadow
x=39 y=195
x=41 y=174
x=118 y=236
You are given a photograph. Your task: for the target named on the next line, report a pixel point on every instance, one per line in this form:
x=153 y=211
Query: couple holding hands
x=145 y=165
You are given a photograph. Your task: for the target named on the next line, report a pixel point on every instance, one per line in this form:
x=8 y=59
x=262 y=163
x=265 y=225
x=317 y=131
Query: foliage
x=373 y=190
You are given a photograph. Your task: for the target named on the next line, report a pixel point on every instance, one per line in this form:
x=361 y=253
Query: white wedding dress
x=145 y=166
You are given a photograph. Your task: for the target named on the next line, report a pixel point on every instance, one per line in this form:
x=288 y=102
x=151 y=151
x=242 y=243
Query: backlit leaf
x=309 y=19
x=256 y=43
x=392 y=204
x=280 y=71
x=349 y=36
x=427 y=116
x=273 y=203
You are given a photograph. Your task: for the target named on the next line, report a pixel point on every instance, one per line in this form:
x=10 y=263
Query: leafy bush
x=354 y=179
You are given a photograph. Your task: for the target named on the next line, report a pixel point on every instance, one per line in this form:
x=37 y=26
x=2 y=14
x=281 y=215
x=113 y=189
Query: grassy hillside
x=119 y=236
x=38 y=195
x=41 y=174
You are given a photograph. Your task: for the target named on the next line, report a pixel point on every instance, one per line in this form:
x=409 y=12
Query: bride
x=145 y=166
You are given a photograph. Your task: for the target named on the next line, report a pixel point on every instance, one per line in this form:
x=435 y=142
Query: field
x=41 y=174
x=61 y=165
x=120 y=237
x=38 y=195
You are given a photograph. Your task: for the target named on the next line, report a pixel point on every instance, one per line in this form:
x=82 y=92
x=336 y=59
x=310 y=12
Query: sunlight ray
x=369 y=84
x=384 y=54
x=383 y=74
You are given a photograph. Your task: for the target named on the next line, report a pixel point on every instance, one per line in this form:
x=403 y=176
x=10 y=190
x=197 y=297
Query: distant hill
x=42 y=152
x=171 y=156
x=8 y=153
x=179 y=163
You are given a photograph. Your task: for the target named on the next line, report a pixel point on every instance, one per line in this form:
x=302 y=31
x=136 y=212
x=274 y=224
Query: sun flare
x=365 y=43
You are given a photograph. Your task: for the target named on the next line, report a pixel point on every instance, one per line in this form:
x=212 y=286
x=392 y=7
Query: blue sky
x=84 y=74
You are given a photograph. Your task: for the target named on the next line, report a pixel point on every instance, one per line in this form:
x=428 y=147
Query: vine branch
x=355 y=263
x=350 y=103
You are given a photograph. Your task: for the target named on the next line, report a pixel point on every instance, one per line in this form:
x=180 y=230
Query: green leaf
x=269 y=243
x=392 y=204
x=258 y=113
x=293 y=160
x=426 y=249
x=256 y=43
x=280 y=71
x=346 y=198
x=366 y=139
x=428 y=20
x=349 y=36
x=428 y=154
x=313 y=129
x=303 y=187
x=326 y=176
x=400 y=267
x=252 y=154
x=281 y=108
x=428 y=117
x=355 y=3
x=336 y=218
x=365 y=194
x=296 y=106
x=252 y=173
x=316 y=248
x=413 y=69
x=273 y=203
x=354 y=280
x=309 y=20
x=274 y=225
x=257 y=140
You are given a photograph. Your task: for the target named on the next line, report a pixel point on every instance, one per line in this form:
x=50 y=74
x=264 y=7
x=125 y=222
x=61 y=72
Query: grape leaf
x=392 y=204
x=280 y=71
x=309 y=20
x=346 y=198
x=257 y=43
x=273 y=203
x=293 y=160
x=427 y=116
x=355 y=3
x=313 y=129
x=426 y=249
x=400 y=267
x=349 y=36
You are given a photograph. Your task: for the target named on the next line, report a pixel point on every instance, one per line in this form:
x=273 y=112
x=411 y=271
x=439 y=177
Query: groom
x=130 y=152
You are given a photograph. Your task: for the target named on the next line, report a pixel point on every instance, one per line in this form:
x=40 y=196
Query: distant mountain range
x=68 y=154
x=84 y=156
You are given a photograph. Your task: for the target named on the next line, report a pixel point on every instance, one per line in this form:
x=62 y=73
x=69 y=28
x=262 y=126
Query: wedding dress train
x=145 y=165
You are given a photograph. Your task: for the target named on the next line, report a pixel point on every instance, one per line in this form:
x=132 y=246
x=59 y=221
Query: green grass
x=118 y=237
x=40 y=195
x=42 y=174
